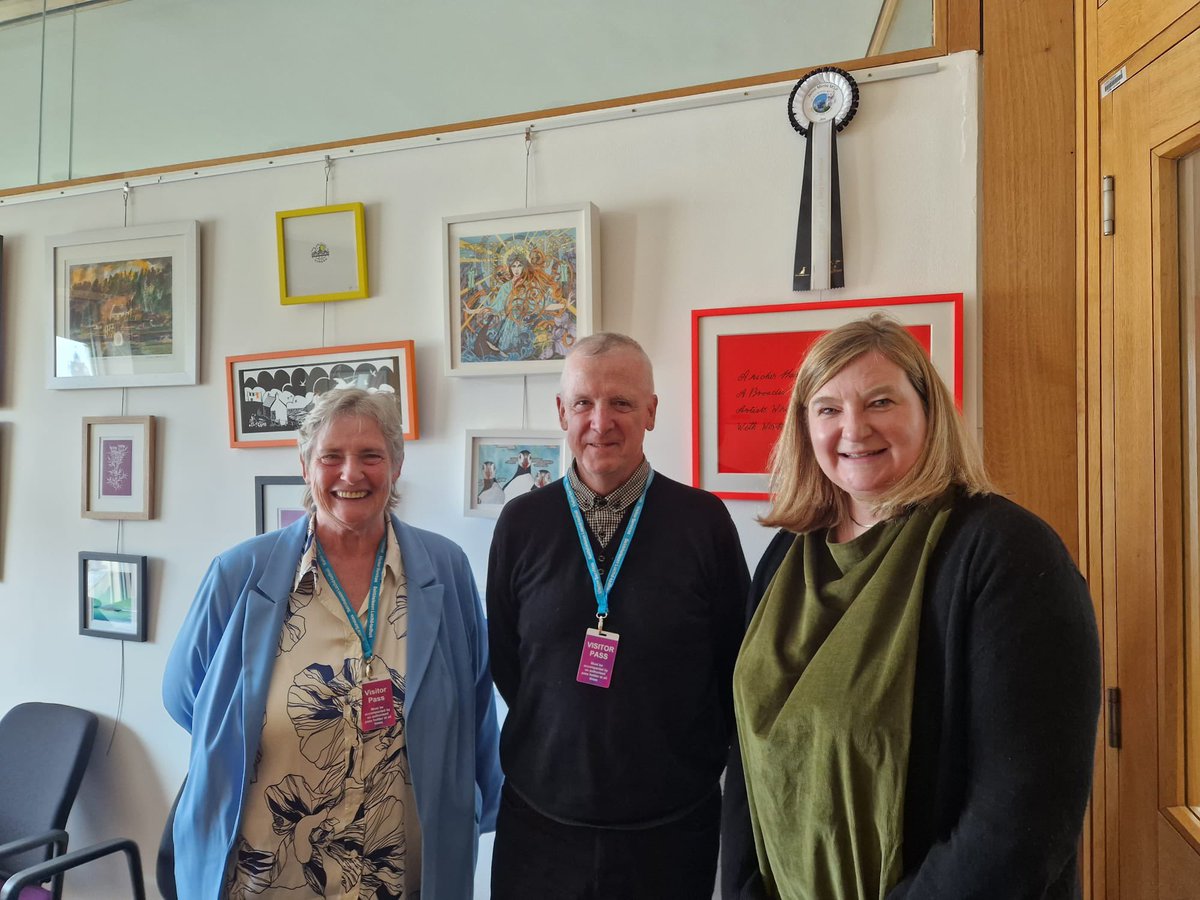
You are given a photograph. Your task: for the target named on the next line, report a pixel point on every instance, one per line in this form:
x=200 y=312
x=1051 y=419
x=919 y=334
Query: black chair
x=27 y=883
x=44 y=749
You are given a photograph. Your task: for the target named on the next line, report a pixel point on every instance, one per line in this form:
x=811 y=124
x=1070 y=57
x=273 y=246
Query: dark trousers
x=536 y=858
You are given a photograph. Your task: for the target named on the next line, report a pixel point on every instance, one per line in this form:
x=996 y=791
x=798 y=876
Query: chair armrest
x=43 y=871
x=55 y=836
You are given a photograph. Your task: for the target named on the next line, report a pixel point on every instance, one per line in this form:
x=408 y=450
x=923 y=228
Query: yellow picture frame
x=322 y=253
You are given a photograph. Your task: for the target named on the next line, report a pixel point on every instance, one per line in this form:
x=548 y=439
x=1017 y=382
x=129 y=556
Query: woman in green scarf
x=918 y=689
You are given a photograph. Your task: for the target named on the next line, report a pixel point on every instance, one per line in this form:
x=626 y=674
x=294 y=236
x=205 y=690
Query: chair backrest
x=44 y=748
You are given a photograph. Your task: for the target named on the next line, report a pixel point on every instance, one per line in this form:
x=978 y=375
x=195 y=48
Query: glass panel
x=148 y=83
x=1189 y=297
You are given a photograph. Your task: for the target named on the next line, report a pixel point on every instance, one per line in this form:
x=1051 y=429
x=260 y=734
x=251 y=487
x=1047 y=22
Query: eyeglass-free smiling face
x=867 y=426
x=350 y=475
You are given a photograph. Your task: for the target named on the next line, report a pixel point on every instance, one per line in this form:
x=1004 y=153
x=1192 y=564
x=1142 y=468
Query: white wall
x=698 y=209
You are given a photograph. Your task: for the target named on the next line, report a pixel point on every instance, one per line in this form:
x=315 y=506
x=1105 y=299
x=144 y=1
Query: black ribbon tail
x=837 y=277
x=802 y=272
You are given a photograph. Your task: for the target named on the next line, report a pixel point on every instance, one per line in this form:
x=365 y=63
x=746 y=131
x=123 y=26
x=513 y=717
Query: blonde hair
x=803 y=498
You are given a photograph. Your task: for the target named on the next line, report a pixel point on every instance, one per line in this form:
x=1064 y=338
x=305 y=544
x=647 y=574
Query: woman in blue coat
x=334 y=678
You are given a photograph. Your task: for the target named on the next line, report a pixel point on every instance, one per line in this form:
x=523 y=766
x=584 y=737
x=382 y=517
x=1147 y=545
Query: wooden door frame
x=1097 y=396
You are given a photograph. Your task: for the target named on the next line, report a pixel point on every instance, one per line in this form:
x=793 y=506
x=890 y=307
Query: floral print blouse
x=329 y=811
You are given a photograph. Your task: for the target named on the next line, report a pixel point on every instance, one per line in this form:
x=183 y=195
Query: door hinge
x=1114 y=717
x=1108 y=206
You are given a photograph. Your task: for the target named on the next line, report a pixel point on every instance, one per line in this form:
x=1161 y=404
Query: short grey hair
x=380 y=407
x=608 y=342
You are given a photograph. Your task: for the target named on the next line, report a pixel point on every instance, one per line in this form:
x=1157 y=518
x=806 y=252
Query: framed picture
x=744 y=363
x=278 y=501
x=521 y=287
x=271 y=393
x=124 y=306
x=112 y=596
x=505 y=464
x=118 y=467
x=322 y=253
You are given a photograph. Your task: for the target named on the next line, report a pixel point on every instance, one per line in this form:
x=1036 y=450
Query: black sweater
x=1005 y=704
x=653 y=744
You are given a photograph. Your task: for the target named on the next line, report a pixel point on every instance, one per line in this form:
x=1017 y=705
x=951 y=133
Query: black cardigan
x=1005 y=704
x=652 y=745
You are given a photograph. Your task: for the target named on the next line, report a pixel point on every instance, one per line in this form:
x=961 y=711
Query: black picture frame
x=263 y=505
x=112 y=595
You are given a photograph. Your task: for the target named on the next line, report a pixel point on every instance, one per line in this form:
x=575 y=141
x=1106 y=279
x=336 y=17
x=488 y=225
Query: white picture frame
x=520 y=287
x=484 y=496
x=124 y=306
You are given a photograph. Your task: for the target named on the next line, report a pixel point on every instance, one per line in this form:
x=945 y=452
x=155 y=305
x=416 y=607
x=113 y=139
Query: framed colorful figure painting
x=502 y=465
x=520 y=288
x=270 y=393
x=744 y=362
x=124 y=306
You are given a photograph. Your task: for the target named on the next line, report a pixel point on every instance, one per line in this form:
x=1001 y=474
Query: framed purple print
x=118 y=467
x=278 y=501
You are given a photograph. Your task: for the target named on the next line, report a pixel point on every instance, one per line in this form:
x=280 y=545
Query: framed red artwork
x=744 y=362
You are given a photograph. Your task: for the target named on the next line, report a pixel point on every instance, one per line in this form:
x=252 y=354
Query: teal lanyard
x=367 y=637
x=603 y=590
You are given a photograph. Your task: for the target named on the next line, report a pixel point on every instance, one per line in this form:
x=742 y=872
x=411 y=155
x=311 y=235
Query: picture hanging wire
x=125 y=191
x=120 y=700
x=325 y=304
x=528 y=147
x=524 y=402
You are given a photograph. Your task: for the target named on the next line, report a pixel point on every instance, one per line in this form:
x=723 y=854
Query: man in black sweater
x=616 y=736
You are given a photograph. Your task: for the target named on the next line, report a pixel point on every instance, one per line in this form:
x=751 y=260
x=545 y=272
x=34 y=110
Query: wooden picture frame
x=124 y=306
x=270 y=393
x=112 y=595
x=277 y=501
x=521 y=287
x=118 y=467
x=744 y=362
x=511 y=474
x=322 y=253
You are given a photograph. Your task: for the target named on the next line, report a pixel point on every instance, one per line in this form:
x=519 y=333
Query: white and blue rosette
x=821 y=104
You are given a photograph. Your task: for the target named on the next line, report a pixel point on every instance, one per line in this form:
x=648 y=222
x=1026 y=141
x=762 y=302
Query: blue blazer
x=216 y=683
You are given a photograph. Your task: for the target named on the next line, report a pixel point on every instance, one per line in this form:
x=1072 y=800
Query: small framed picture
x=118 y=467
x=278 y=501
x=505 y=464
x=522 y=287
x=744 y=363
x=112 y=596
x=124 y=306
x=270 y=394
x=322 y=253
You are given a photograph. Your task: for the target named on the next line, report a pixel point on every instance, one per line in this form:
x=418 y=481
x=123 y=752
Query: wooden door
x=1150 y=145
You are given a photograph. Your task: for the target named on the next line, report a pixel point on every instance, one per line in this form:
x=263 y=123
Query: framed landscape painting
x=112 y=596
x=270 y=393
x=124 y=306
x=744 y=363
x=522 y=287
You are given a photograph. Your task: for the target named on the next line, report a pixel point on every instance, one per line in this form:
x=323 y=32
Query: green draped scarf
x=823 y=693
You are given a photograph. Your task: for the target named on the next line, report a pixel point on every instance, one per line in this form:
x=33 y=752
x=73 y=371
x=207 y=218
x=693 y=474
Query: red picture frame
x=744 y=362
